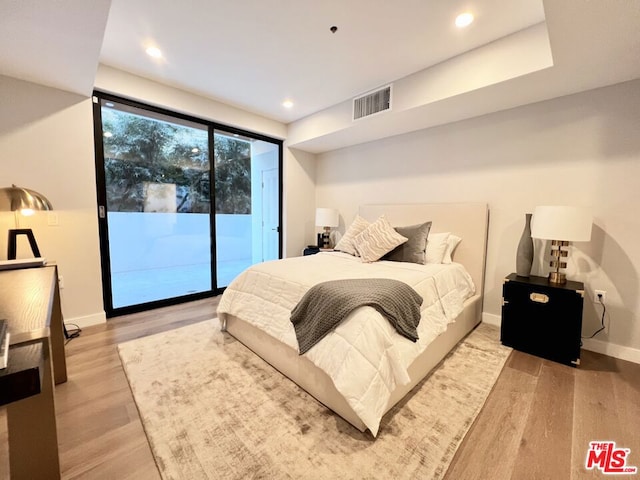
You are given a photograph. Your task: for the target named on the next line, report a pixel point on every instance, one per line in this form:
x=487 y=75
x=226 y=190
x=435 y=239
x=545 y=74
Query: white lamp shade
x=326 y=217
x=562 y=223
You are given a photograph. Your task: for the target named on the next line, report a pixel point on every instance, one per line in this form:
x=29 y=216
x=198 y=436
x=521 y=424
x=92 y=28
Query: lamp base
x=12 y=242
x=325 y=238
x=557 y=277
x=559 y=250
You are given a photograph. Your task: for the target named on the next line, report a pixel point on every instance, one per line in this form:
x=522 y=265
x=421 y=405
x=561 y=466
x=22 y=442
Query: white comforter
x=364 y=356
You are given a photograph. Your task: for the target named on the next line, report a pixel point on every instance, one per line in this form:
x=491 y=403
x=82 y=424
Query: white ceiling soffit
x=53 y=43
x=593 y=44
x=424 y=99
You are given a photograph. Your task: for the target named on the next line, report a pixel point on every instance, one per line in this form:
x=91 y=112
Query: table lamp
x=22 y=201
x=326 y=218
x=561 y=225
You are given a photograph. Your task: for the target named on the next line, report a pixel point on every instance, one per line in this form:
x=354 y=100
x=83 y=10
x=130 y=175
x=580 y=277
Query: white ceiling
x=255 y=53
x=56 y=44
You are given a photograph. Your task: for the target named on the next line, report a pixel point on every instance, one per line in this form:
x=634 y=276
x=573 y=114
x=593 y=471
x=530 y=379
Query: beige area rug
x=212 y=409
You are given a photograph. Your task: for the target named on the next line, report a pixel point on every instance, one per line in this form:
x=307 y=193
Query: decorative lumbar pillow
x=377 y=239
x=436 y=246
x=345 y=244
x=414 y=249
x=452 y=243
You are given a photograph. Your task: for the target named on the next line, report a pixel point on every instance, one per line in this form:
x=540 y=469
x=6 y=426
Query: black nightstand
x=543 y=318
x=314 y=250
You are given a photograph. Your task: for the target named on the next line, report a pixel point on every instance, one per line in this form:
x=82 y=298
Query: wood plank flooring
x=536 y=423
x=540 y=417
x=99 y=430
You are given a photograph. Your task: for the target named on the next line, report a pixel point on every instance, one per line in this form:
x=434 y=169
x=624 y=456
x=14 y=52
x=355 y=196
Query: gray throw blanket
x=327 y=304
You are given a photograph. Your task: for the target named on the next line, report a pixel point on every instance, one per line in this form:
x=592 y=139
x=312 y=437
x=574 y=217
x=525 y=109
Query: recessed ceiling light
x=154 y=52
x=287 y=104
x=464 y=19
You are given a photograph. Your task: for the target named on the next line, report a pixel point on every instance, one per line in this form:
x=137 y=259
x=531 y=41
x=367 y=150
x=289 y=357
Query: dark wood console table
x=30 y=302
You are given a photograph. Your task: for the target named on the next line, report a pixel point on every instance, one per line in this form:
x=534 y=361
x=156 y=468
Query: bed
x=400 y=369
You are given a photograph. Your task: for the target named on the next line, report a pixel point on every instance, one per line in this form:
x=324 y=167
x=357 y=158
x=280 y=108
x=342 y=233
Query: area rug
x=212 y=409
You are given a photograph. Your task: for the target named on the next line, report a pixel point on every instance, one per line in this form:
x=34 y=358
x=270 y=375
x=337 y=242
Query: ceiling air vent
x=372 y=103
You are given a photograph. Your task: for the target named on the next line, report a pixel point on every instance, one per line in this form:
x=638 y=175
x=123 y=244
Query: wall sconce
x=327 y=218
x=22 y=201
x=561 y=225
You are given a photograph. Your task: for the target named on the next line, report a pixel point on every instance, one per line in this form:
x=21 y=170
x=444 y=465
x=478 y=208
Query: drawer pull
x=539 y=298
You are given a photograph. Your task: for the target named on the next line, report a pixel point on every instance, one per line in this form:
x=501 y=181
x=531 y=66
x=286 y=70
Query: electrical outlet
x=599 y=296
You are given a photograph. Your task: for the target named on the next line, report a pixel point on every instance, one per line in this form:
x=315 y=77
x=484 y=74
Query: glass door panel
x=247 y=197
x=157 y=179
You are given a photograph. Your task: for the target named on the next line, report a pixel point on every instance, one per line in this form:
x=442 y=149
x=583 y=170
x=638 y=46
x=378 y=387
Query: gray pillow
x=413 y=250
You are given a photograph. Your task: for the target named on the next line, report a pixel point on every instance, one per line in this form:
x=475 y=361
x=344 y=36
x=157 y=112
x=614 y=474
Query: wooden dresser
x=30 y=302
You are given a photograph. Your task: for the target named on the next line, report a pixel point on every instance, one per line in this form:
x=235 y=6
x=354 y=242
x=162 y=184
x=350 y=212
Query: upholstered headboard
x=467 y=220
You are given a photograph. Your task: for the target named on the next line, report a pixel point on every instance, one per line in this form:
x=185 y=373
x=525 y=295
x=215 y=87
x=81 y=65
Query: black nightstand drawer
x=542 y=318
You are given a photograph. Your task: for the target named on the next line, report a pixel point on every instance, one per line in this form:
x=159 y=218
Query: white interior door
x=270 y=221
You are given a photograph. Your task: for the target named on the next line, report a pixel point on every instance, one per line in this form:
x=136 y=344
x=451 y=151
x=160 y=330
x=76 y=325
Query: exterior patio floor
x=147 y=285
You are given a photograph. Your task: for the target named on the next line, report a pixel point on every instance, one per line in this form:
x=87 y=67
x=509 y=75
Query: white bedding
x=364 y=356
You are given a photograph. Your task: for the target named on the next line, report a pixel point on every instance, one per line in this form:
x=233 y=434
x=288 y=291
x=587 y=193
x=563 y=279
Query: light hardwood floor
x=540 y=417
x=99 y=430
x=536 y=423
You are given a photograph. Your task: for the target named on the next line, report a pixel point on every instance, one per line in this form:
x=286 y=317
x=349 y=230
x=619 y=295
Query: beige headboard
x=467 y=220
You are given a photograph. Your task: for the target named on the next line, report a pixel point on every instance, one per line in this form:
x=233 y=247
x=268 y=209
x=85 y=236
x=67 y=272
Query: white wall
x=581 y=150
x=46 y=144
x=117 y=82
x=299 y=201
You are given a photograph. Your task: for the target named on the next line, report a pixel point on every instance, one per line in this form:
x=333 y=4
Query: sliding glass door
x=247 y=203
x=160 y=243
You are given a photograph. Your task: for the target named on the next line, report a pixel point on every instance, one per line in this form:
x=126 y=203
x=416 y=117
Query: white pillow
x=377 y=240
x=345 y=244
x=452 y=243
x=436 y=247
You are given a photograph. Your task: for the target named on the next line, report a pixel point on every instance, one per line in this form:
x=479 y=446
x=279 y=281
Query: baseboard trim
x=611 y=349
x=491 y=319
x=87 y=320
x=606 y=348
